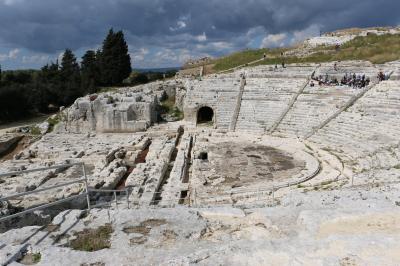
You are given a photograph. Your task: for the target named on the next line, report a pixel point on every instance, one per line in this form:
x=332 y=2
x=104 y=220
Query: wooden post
x=273 y=195
x=86 y=187
x=127 y=196
x=115 y=198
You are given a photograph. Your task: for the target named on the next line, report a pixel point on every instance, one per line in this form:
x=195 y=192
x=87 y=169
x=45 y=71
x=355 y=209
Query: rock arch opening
x=205 y=115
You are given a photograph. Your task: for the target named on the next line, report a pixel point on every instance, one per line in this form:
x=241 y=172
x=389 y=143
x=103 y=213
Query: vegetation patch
x=92 y=239
x=53 y=121
x=34 y=92
x=377 y=49
x=35 y=130
x=144 y=227
x=168 y=107
x=108 y=89
x=30 y=259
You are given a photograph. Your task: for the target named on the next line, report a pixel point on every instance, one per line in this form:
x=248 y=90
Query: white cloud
x=202 y=38
x=60 y=56
x=11 y=2
x=221 y=45
x=179 y=25
x=139 y=56
x=42 y=59
x=13 y=54
x=274 y=40
x=311 y=31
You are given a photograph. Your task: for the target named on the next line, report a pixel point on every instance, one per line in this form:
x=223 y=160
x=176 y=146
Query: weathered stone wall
x=220 y=94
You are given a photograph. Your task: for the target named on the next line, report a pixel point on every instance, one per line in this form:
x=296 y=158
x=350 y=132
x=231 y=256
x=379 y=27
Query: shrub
x=93 y=239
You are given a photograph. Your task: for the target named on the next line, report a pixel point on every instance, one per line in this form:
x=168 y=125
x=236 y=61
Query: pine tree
x=114 y=59
x=89 y=72
x=70 y=78
x=48 y=88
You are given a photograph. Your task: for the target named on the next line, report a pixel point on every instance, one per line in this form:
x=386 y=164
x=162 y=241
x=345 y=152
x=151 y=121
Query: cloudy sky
x=163 y=33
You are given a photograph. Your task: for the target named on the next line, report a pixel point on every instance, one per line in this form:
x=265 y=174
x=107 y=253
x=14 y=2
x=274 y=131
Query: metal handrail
x=107 y=190
x=83 y=180
x=42 y=189
x=40 y=207
x=39 y=169
x=114 y=192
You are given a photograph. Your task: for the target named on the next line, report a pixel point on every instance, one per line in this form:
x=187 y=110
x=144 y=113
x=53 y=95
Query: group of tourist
x=383 y=76
x=351 y=80
x=356 y=81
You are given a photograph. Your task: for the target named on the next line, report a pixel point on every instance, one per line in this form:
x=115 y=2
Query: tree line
x=58 y=84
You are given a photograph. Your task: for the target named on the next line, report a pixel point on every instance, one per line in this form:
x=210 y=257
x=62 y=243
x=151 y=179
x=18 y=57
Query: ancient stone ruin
x=264 y=169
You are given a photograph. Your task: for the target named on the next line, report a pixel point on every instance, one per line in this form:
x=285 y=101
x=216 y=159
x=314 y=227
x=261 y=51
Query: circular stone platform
x=239 y=164
x=229 y=165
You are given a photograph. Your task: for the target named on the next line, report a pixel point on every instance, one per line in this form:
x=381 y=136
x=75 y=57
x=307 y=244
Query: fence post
x=86 y=186
x=116 y=200
x=127 y=196
x=273 y=195
x=194 y=197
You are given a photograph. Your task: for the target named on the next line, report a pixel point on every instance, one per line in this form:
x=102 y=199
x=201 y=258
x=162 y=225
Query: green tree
x=114 y=59
x=70 y=78
x=90 y=73
x=14 y=103
x=47 y=89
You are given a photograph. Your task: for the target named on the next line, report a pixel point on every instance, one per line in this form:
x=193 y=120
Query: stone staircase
x=263 y=101
x=232 y=126
x=288 y=108
x=312 y=107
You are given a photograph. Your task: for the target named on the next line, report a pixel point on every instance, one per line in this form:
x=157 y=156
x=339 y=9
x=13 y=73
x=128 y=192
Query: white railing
x=82 y=180
x=135 y=201
x=114 y=193
x=192 y=199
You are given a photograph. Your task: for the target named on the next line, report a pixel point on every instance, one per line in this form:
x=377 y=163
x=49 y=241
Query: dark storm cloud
x=48 y=26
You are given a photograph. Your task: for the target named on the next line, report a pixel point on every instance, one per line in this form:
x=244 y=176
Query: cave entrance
x=205 y=115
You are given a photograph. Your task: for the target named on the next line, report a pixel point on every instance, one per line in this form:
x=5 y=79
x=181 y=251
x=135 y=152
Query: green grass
x=35 y=130
x=53 y=121
x=373 y=48
x=36 y=257
x=108 y=89
x=244 y=57
x=168 y=106
x=93 y=239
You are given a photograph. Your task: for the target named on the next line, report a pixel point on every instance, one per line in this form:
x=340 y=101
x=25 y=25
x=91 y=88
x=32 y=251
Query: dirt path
x=4 y=128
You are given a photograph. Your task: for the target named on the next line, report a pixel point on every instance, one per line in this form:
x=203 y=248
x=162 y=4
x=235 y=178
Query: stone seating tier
x=368 y=126
x=314 y=106
x=263 y=102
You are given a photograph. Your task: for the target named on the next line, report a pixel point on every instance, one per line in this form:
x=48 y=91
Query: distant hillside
x=377 y=45
x=374 y=48
x=156 y=70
